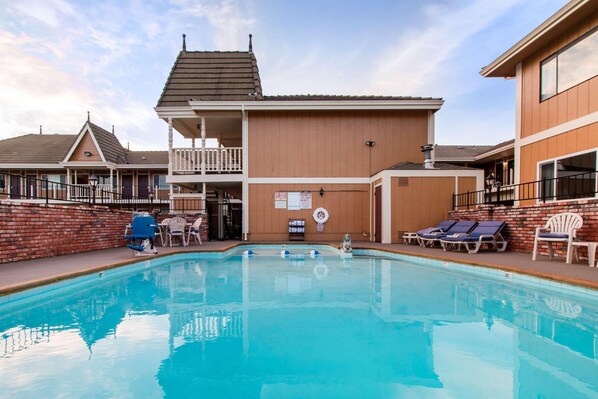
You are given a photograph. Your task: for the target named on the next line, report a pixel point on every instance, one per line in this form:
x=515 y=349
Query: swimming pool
x=230 y=326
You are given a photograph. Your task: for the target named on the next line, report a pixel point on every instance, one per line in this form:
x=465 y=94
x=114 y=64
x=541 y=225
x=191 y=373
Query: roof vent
x=250 y=44
x=427 y=150
x=184 y=42
x=40 y=129
x=88 y=118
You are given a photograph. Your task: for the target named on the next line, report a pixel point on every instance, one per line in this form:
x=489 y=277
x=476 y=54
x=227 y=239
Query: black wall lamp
x=321 y=191
x=87 y=153
x=370 y=143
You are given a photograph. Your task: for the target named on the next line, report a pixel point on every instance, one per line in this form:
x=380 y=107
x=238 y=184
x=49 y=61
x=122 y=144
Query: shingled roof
x=212 y=76
x=446 y=152
x=421 y=166
x=36 y=148
x=53 y=148
x=147 y=157
x=109 y=145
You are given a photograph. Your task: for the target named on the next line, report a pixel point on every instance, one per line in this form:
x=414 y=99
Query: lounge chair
x=463 y=227
x=484 y=233
x=561 y=227
x=439 y=228
x=142 y=235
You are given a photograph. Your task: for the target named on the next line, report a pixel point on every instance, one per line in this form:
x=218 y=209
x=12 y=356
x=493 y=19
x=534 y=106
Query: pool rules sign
x=292 y=201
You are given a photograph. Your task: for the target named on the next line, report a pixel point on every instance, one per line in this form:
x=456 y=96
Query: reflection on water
x=267 y=327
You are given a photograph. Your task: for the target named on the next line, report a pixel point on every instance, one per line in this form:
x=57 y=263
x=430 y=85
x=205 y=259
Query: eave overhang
x=555 y=26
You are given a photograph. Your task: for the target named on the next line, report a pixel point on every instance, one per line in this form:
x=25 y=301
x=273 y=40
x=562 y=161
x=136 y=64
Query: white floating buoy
x=313 y=253
x=247 y=253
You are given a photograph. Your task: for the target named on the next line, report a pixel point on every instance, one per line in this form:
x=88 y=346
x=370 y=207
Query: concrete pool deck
x=22 y=275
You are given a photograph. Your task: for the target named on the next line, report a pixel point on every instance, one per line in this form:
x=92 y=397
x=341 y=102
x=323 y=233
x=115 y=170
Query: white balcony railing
x=218 y=160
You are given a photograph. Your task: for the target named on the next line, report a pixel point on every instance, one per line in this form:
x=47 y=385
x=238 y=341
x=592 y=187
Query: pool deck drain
x=17 y=276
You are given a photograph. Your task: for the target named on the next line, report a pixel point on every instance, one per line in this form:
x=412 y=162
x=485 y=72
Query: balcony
x=217 y=160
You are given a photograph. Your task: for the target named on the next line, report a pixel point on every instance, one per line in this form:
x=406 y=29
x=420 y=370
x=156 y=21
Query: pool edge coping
x=11 y=289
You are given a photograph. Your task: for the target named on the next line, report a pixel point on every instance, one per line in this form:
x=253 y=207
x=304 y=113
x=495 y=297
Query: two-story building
x=283 y=158
x=556 y=72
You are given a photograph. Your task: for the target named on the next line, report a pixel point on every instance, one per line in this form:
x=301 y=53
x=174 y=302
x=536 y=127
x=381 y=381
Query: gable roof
x=109 y=145
x=36 y=148
x=558 y=24
x=55 y=148
x=212 y=76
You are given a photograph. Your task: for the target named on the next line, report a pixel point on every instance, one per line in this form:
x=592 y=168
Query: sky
x=60 y=59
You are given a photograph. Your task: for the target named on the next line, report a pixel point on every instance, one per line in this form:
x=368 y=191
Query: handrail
x=217 y=160
x=576 y=186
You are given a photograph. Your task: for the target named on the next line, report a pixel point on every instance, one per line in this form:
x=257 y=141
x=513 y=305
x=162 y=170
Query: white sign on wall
x=294 y=201
x=305 y=200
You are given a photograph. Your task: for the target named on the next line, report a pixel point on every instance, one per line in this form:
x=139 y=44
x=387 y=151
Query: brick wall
x=30 y=231
x=522 y=221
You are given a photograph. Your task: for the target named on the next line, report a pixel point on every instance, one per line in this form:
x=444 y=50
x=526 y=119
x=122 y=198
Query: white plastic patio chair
x=162 y=230
x=561 y=227
x=195 y=231
x=176 y=228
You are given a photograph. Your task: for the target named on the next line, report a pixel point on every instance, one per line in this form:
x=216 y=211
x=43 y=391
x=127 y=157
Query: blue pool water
x=298 y=327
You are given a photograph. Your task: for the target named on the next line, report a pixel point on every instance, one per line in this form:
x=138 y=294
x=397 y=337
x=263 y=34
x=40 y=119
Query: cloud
x=50 y=12
x=35 y=92
x=416 y=63
x=230 y=25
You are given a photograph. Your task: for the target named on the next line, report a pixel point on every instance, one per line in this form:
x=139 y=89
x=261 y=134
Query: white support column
x=203 y=145
x=203 y=190
x=431 y=132
x=170 y=146
x=193 y=157
x=111 y=184
x=68 y=181
x=386 y=209
x=245 y=166
x=518 y=112
x=170 y=154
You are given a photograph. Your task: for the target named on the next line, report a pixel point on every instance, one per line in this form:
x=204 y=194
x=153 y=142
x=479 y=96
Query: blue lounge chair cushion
x=554 y=235
x=429 y=230
x=458 y=228
x=439 y=228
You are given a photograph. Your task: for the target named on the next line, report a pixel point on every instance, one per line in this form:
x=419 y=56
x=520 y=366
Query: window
x=504 y=171
x=58 y=179
x=569 y=178
x=569 y=67
x=160 y=181
x=2 y=181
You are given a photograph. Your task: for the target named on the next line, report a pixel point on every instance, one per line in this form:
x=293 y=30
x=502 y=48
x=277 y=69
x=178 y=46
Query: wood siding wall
x=347 y=205
x=332 y=144
x=576 y=140
x=422 y=203
x=86 y=144
x=466 y=184
x=576 y=102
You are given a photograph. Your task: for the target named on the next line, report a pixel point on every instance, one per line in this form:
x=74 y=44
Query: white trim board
x=431 y=104
x=560 y=129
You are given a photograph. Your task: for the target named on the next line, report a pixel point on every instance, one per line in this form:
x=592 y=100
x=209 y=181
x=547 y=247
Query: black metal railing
x=576 y=186
x=31 y=189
